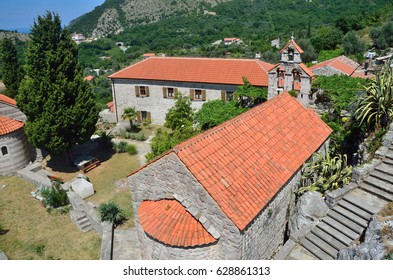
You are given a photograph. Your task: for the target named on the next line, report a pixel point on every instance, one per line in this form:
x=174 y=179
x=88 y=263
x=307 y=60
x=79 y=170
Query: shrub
x=121 y=147
x=131 y=149
x=105 y=140
x=110 y=212
x=55 y=196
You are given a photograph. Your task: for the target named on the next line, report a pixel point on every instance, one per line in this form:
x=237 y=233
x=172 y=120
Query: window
x=4 y=150
x=291 y=54
x=143 y=115
x=296 y=76
x=142 y=91
x=169 y=92
x=198 y=94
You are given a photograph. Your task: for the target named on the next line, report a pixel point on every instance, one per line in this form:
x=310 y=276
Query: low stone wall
x=35 y=174
x=107 y=242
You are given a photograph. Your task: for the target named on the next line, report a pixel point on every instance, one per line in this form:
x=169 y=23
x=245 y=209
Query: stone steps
x=335 y=233
x=379 y=183
x=316 y=251
x=376 y=191
x=81 y=220
x=355 y=209
x=345 y=221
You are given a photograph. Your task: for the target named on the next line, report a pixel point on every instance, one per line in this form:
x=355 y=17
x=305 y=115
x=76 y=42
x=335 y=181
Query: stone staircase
x=81 y=220
x=346 y=222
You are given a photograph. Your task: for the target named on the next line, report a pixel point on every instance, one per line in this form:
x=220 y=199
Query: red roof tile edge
x=8 y=100
x=8 y=125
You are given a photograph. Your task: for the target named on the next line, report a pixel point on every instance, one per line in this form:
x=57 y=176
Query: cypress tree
x=60 y=107
x=11 y=71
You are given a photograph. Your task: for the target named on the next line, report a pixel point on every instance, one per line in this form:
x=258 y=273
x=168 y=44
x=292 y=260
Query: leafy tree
x=215 y=112
x=181 y=115
x=250 y=96
x=59 y=105
x=352 y=44
x=309 y=50
x=110 y=212
x=327 y=38
x=129 y=114
x=329 y=54
x=11 y=72
x=325 y=173
x=375 y=108
x=378 y=38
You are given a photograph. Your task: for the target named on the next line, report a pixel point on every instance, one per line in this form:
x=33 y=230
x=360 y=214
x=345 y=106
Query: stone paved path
x=346 y=222
x=126 y=245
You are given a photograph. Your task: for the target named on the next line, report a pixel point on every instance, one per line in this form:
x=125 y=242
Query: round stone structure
x=15 y=151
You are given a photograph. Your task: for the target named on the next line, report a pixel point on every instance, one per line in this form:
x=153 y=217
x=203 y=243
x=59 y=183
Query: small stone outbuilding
x=228 y=192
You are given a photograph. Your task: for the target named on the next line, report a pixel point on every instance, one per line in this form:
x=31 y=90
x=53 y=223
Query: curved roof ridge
x=8 y=125
x=7 y=99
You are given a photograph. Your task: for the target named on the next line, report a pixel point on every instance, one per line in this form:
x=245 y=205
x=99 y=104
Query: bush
x=110 y=212
x=105 y=140
x=55 y=196
x=131 y=149
x=121 y=147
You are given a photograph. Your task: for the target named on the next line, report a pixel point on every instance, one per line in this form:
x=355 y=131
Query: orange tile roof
x=110 y=106
x=169 y=222
x=297 y=47
x=8 y=125
x=149 y=54
x=88 y=78
x=245 y=161
x=198 y=70
x=341 y=63
x=307 y=70
x=6 y=99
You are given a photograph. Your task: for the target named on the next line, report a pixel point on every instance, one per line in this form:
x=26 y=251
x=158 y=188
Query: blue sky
x=15 y=14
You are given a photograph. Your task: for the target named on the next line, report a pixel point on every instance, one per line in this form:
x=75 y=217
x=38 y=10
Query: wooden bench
x=90 y=165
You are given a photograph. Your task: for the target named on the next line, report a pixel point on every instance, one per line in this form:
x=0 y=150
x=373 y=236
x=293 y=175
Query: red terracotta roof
x=341 y=63
x=149 y=54
x=8 y=125
x=110 y=106
x=169 y=222
x=6 y=99
x=244 y=162
x=307 y=70
x=296 y=46
x=88 y=78
x=198 y=70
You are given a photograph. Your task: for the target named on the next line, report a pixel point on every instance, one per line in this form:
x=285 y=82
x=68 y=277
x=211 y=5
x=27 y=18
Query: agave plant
x=110 y=212
x=375 y=108
x=325 y=173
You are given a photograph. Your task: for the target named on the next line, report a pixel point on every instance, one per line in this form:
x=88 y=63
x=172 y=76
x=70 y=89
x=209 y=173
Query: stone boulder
x=378 y=241
x=309 y=210
x=3 y=256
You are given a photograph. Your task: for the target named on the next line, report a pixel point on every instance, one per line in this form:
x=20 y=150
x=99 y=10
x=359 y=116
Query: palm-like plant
x=325 y=173
x=376 y=107
x=110 y=212
x=129 y=114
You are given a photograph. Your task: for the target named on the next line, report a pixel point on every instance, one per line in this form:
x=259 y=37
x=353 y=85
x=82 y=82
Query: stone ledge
x=333 y=196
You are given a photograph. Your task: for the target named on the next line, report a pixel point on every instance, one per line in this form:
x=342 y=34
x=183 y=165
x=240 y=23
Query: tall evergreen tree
x=59 y=104
x=11 y=71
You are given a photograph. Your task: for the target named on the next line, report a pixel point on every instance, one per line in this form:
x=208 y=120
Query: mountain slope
x=115 y=15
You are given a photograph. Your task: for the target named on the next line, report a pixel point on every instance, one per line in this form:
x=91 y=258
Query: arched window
x=4 y=150
x=296 y=76
x=291 y=54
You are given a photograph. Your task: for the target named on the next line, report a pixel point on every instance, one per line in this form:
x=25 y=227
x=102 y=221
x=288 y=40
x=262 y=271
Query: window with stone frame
x=143 y=115
x=198 y=95
x=4 y=150
x=296 y=76
x=291 y=54
x=142 y=91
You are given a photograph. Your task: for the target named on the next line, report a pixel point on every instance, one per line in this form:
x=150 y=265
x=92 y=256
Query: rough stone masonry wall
x=327 y=71
x=11 y=112
x=18 y=152
x=263 y=237
x=168 y=178
x=124 y=96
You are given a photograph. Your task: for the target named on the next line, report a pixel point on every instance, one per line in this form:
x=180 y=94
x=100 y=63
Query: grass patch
x=387 y=210
x=29 y=232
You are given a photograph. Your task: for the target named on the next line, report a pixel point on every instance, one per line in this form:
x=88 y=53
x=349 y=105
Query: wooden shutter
x=147 y=91
x=164 y=92
x=137 y=91
x=223 y=93
x=149 y=115
x=203 y=95
x=192 y=94
x=139 y=116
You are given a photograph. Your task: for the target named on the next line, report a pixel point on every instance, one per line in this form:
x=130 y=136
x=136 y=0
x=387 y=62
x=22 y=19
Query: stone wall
x=19 y=152
x=327 y=71
x=168 y=178
x=124 y=96
x=12 y=112
x=263 y=237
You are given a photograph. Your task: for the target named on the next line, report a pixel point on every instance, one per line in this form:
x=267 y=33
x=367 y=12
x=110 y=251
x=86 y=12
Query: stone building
x=15 y=151
x=227 y=193
x=291 y=74
x=340 y=65
x=150 y=85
